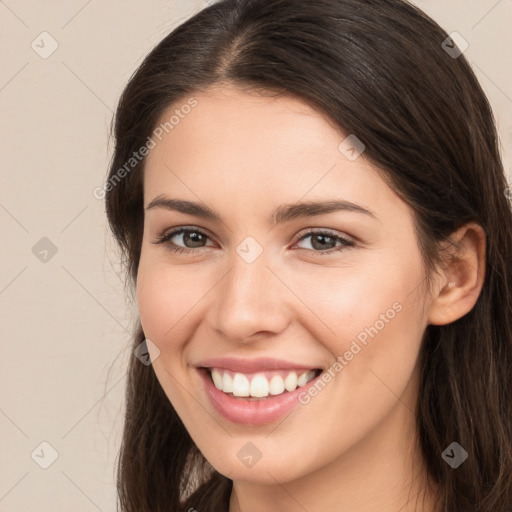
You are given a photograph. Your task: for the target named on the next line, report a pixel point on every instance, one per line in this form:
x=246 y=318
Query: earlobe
x=462 y=278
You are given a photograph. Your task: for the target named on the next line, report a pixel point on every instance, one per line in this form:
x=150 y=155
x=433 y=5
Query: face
x=271 y=289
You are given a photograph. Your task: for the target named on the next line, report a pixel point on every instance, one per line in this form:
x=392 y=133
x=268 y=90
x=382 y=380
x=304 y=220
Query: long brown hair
x=381 y=71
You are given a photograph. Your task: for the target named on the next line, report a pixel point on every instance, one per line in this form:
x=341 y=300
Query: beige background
x=64 y=322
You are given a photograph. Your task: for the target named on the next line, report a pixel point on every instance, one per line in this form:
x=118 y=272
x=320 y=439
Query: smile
x=255 y=394
x=262 y=384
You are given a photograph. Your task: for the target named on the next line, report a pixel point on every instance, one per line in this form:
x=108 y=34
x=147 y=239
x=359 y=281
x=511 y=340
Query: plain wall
x=65 y=320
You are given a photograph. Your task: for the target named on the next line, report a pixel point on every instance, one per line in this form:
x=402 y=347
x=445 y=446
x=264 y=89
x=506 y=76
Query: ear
x=462 y=278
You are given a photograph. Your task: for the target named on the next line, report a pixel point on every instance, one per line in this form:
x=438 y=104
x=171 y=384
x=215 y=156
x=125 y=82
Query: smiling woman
x=320 y=250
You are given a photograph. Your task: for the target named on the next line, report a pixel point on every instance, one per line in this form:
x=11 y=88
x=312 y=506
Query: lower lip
x=255 y=412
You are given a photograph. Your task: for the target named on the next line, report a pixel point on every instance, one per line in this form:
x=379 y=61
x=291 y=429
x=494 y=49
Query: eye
x=190 y=235
x=326 y=242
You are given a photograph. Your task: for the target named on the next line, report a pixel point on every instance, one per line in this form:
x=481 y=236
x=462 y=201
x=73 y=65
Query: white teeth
x=217 y=378
x=290 y=383
x=276 y=385
x=305 y=378
x=259 y=386
x=227 y=383
x=240 y=385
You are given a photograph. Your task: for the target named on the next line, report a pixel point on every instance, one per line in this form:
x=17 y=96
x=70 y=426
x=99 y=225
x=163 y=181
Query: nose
x=250 y=301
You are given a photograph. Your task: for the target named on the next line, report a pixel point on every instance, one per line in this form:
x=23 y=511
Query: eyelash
x=164 y=239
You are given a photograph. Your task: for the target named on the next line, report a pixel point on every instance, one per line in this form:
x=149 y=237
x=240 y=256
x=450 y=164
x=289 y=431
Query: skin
x=352 y=446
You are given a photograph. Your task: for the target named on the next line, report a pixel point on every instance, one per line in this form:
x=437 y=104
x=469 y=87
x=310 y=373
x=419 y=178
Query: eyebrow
x=284 y=213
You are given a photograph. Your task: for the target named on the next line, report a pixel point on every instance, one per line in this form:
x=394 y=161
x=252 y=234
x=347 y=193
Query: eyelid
x=165 y=235
x=179 y=229
x=327 y=231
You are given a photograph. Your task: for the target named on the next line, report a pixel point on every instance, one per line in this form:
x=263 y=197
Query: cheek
x=346 y=301
x=377 y=328
x=164 y=298
x=370 y=315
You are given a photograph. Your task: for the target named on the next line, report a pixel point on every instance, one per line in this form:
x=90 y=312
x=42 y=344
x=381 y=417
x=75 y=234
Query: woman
x=311 y=204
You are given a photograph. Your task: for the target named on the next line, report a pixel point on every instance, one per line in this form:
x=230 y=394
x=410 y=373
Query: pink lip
x=253 y=365
x=255 y=412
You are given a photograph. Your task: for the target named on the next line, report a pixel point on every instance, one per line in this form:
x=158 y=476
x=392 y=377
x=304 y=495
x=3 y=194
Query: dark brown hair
x=380 y=71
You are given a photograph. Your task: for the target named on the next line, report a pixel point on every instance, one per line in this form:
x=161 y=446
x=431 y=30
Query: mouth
x=256 y=399
x=260 y=385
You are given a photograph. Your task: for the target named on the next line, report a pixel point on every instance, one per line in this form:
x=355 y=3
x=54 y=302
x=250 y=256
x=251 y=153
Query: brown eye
x=324 y=242
x=194 y=238
x=191 y=238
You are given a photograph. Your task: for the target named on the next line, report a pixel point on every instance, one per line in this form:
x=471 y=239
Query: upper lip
x=245 y=365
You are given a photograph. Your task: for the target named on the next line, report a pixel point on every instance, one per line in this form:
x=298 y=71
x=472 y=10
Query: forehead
x=256 y=147
x=232 y=118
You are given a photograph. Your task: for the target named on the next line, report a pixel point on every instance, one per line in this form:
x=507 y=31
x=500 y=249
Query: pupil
x=196 y=237
x=323 y=239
